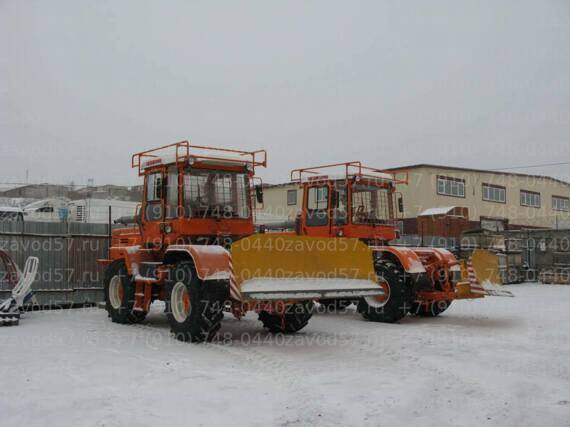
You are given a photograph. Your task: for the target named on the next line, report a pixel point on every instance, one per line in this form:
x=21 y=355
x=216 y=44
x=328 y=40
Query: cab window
x=210 y=194
x=172 y=193
x=340 y=215
x=317 y=206
x=371 y=205
x=153 y=209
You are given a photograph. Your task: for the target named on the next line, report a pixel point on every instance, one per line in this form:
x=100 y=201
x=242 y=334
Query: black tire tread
x=207 y=306
x=125 y=314
x=401 y=295
x=295 y=318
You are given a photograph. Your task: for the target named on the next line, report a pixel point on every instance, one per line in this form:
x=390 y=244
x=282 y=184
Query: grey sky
x=83 y=85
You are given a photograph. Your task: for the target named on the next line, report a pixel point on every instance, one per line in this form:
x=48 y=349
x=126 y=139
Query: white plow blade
x=268 y=288
x=495 y=290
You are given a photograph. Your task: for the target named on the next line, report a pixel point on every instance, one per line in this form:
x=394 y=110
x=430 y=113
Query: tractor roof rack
x=183 y=151
x=349 y=170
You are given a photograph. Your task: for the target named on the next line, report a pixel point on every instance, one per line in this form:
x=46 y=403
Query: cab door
x=153 y=208
x=316 y=210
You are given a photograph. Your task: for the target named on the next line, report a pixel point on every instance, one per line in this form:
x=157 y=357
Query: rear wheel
x=120 y=294
x=433 y=309
x=295 y=318
x=397 y=299
x=194 y=309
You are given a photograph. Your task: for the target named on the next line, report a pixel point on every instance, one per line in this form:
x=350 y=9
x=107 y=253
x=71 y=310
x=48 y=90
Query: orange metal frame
x=183 y=153
x=356 y=169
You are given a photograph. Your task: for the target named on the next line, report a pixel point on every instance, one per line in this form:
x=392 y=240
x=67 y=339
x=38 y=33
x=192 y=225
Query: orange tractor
x=192 y=245
x=362 y=203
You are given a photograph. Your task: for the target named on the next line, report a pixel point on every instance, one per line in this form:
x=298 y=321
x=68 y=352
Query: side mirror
x=259 y=193
x=400 y=204
x=334 y=199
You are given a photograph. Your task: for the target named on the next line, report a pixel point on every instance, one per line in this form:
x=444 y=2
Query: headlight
x=455 y=273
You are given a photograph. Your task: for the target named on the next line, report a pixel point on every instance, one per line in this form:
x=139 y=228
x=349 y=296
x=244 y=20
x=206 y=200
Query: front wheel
x=120 y=294
x=194 y=309
x=397 y=299
x=295 y=318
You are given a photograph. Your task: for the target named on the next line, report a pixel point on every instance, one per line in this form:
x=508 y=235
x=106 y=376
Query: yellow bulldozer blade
x=463 y=290
x=486 y=266
x=282 y=266
x=487 y=280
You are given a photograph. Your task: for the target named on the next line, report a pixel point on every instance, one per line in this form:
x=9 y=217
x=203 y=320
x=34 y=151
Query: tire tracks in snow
x=301 y=400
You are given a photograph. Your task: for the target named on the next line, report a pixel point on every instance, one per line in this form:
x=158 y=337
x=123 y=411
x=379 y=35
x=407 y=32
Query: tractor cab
x=195 y=194
x=361 y=202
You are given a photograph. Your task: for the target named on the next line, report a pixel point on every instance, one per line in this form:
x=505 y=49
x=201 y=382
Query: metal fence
x=68 y=272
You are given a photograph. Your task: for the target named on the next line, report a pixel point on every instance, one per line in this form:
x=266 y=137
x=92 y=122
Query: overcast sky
x=482 y=84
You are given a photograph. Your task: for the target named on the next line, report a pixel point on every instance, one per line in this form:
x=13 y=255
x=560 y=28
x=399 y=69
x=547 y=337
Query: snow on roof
x=10 y=209
x=437 y=211
x=200 y=155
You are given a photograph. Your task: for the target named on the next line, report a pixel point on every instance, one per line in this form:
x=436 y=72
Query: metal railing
x=183 y=151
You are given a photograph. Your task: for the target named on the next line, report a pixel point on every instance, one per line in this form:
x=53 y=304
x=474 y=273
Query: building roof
x=452 y=168
x=461 y=169
x=437 y=211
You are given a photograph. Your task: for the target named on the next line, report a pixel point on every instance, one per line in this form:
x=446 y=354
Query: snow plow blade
x=268 y=289
x=486 y=265
x=288 y=267
x=477 y=281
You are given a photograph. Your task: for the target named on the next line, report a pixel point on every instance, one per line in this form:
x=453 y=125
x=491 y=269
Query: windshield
x=216 y=194
x=371 y=205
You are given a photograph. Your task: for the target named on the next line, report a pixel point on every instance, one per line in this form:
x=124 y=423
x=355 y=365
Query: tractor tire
x=334 y=304
x=295 y=318
x=434 y=309
x=398 y=302
x=120 y=294
x=194 y=309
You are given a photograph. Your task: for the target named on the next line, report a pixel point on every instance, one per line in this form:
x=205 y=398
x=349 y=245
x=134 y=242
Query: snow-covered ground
x=497 y=361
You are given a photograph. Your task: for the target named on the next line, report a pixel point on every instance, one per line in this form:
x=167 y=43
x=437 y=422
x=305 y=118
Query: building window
x=561 y=203
x=494 y=193
x=530 y=199
x=291 y=197
x=450 y=186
